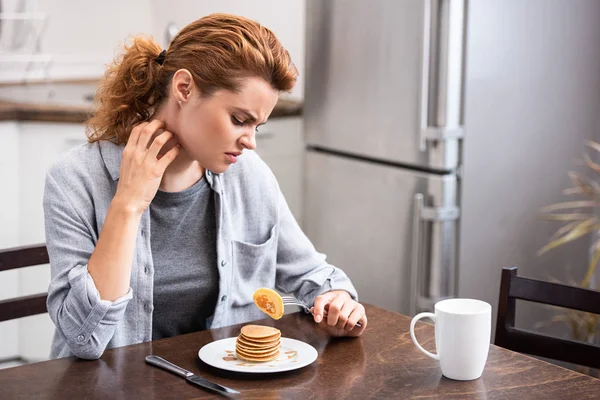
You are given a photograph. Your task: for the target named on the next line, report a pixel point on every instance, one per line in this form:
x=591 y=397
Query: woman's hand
x=143 y=164
x=342 y=314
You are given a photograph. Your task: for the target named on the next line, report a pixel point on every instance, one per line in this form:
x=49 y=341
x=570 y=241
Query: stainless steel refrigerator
x=385 y=129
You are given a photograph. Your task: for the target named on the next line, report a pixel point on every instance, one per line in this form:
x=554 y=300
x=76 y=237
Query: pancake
x=243 y=346
x=269 y=302
x=257 y=359
x=258 y=343
x=258 y=353
x=247 y=343
x=258 y=332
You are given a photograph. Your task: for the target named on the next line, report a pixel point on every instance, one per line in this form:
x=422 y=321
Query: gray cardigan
x=259 y=244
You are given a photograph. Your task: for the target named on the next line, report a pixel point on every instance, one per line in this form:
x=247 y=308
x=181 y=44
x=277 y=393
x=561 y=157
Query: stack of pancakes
x=258 y=343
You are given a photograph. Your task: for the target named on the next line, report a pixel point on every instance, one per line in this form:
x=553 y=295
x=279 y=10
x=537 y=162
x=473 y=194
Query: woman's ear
x=182 y=85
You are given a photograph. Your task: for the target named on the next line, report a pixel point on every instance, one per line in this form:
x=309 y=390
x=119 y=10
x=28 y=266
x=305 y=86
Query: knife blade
x=189 y=376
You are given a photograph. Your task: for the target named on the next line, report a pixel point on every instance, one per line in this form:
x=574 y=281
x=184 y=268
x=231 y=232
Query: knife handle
x=164 y=364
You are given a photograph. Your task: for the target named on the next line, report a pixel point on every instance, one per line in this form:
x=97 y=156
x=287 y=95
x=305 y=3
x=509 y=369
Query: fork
x=292 y=301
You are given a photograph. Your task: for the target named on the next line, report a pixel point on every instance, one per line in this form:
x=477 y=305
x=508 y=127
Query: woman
x=166 y=222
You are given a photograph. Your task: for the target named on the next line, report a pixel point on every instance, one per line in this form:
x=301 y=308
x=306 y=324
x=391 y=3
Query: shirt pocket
x=254 y=266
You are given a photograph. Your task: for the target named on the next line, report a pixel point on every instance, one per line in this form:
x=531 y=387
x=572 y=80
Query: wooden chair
x=523 y=341
x=19 y=257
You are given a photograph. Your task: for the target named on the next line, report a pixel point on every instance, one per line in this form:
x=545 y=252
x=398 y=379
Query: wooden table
x=382 y=364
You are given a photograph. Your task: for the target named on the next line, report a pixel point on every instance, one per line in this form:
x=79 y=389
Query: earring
x=179 y=103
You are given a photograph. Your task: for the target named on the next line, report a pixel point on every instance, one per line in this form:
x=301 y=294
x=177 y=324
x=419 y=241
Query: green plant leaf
x=572 y=190
x=596 y=190
x=594 y=145
x=563 y=230
x=583 y=183
x=569 y=204
x=578 y=218
x=578 y=178
x=581 y=229
x=555 y=319
x=561 y=317
x=590 y=164
x=568 y=217
x=591 y=267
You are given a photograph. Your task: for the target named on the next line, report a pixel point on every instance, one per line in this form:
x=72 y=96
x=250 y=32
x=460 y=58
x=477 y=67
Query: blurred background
x=418 y=150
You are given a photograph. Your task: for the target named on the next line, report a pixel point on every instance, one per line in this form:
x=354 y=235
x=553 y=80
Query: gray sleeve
x=301 y=270
x=85 y=322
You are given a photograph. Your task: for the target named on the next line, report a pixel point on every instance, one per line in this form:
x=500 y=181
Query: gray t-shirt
x=186 y=276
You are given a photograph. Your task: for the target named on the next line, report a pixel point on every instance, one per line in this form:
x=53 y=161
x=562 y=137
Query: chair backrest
x=20 y=257
x=524 y=341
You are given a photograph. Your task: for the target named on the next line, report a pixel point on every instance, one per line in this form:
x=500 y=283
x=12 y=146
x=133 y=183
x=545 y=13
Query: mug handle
x=414 y=338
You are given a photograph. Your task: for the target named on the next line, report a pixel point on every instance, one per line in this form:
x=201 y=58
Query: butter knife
x=190 y=377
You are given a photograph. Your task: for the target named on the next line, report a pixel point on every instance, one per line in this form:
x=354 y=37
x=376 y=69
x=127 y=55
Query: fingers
x=320 y=303
x=134 y=136
x=357 y=314
x=167 y=158
x=146 y=140
x=363 y=323
x=335 y=312
x=334 y=331
x=342 y=314
x=147 y=132
x=158 y=143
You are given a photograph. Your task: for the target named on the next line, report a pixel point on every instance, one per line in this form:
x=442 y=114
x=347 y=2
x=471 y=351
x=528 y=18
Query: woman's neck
x=181 y=174
x=184 y=171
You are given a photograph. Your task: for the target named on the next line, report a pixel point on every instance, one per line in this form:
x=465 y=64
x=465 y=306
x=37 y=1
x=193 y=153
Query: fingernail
x=318 y=318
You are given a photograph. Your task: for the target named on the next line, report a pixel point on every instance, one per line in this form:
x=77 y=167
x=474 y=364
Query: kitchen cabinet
x=40 y=144
x=29 y=149
x=280 y=143
x=9 y=225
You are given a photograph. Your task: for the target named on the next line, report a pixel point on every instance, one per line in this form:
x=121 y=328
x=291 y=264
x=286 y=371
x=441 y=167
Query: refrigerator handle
x=442 y=80
x=421 y=214
x=416 y=253
x=425 y=51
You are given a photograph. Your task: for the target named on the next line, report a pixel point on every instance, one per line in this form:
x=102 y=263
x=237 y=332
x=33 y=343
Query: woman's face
x=216 y=130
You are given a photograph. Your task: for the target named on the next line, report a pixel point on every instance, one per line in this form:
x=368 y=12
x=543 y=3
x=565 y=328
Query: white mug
x=462 y=336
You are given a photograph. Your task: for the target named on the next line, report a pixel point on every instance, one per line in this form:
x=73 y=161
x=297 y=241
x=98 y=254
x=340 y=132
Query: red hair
x=218 y=50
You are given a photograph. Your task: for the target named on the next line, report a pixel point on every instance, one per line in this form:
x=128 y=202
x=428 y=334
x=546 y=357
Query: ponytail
x=128 y=94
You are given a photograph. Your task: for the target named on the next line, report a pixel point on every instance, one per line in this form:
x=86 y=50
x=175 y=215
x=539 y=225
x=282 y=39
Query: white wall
x=81 y=36
x=284 y=18
x=93 y=28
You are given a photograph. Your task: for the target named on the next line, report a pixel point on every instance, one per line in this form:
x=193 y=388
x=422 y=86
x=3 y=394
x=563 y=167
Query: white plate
x=293 y=354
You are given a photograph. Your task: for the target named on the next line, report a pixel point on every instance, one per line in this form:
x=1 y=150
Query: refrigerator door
x=364 y=217
x=384 y=79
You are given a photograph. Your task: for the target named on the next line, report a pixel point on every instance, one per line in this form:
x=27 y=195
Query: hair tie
x=161 y=57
